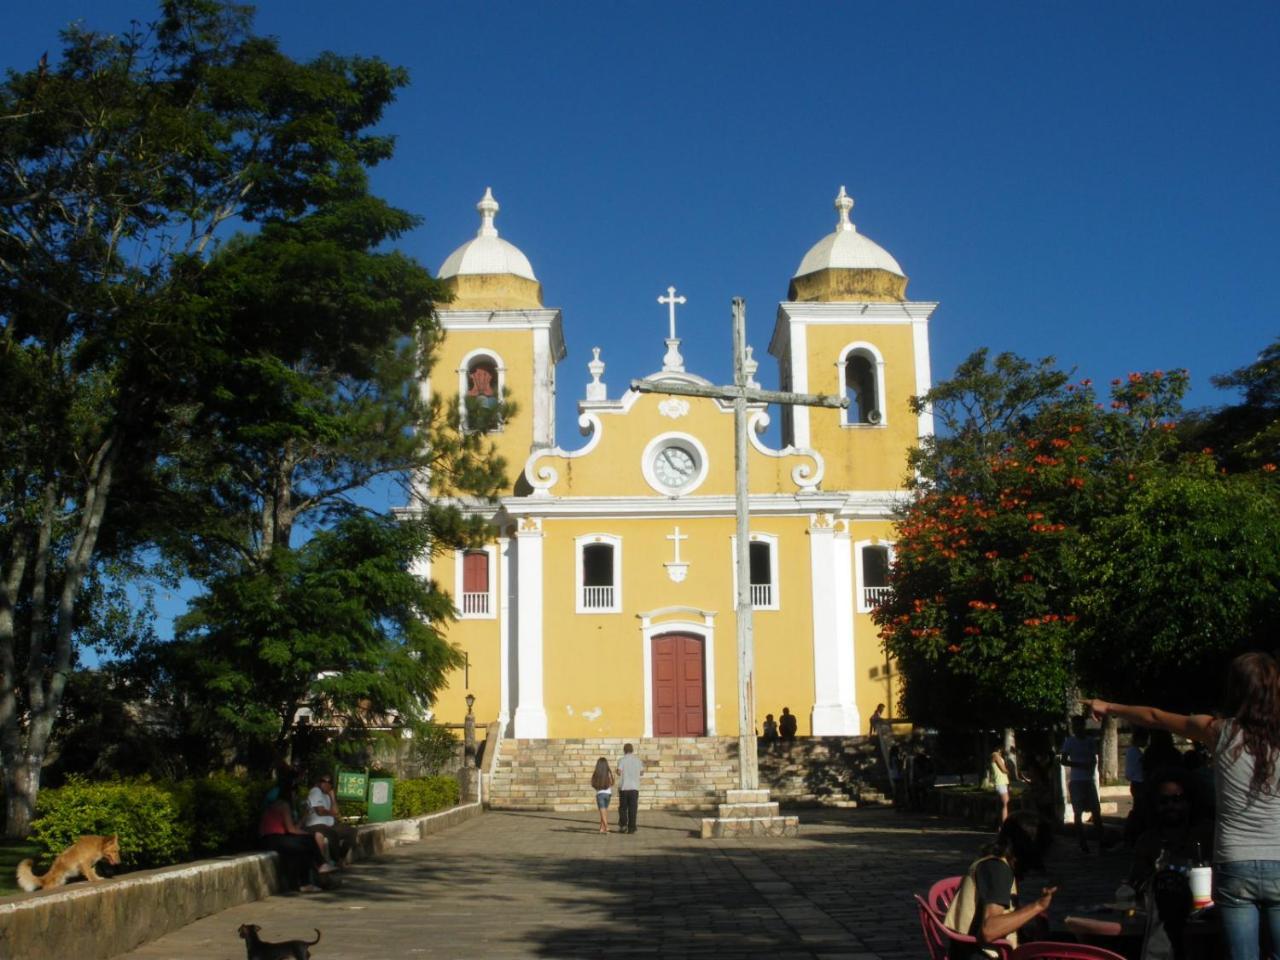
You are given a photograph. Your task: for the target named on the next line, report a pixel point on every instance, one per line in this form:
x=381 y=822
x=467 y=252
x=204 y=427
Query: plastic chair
x=938 y=937
x=942 y=893
x=934 y=941
x=1062 y=951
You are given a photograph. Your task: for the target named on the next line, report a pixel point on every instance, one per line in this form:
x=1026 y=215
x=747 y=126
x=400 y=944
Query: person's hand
x=1046 y=898
x=1098 y=708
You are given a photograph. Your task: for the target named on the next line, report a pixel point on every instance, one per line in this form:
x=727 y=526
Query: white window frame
x=877 y=359
x=465 y=365
x=860 y=593
x=579 y=591
x=775 y=592
x=491 y=604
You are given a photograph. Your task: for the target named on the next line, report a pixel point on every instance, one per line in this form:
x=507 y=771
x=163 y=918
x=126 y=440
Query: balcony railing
x=874 y=596
x=475 y=603
x=762 y=594
x=597 y=598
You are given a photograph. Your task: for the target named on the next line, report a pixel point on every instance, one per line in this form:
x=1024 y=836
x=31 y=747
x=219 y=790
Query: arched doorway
x=679 y=685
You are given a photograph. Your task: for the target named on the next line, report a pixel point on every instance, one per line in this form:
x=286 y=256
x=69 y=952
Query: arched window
x=475 y=577
x=481 y=389
x=862 y=374
x=762 y=568
x=874 y=560
x=599 y=573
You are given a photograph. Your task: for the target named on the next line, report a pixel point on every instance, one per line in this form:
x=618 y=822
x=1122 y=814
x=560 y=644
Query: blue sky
x=1095 y=181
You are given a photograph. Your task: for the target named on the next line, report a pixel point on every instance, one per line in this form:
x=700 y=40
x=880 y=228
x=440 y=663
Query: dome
x=845 y=265
x=488 y=272
x=488 y=252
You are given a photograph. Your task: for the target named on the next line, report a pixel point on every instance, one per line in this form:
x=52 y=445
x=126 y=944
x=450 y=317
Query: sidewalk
x=507 y=885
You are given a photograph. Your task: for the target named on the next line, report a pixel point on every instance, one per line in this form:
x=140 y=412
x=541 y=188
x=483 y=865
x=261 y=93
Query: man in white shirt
x=629 y=770
x=322 y=817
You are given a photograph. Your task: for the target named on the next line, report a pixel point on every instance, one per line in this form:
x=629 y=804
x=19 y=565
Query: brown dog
x=75 y=861
x=259 y=949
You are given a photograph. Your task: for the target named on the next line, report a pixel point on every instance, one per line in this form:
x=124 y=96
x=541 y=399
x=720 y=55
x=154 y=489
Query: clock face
x=675 y=466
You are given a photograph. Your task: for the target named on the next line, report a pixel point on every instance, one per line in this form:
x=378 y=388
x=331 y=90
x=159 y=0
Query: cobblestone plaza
x=532 y=884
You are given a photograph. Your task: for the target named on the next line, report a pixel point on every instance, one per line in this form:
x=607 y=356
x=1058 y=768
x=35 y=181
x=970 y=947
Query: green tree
x=340 y=626
x=983 y=619
x=128 y=359
x=1181 y=578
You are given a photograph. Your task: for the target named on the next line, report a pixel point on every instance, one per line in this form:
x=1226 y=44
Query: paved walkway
x=549 y=885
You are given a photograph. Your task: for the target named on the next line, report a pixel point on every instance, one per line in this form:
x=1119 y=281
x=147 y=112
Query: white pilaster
x=800 y=384
x=920 y=347
x=846 y=651
x=833 y=710
x=505 y=583
x=531 y=715
x=544 y=389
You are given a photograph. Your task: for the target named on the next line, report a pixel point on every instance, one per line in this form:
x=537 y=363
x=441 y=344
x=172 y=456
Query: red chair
x=942 y=893
x=1062 y=951
x=938 y=937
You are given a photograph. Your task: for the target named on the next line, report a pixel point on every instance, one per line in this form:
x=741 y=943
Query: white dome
x=846 y=248
x=487 y=253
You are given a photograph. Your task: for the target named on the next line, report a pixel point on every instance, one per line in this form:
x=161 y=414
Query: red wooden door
x=679 y=704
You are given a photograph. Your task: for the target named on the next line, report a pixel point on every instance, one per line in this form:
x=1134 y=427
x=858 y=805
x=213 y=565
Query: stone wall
x=93 y=921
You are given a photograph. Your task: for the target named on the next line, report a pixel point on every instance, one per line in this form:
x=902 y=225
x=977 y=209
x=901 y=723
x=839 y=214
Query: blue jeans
x=1242 y=889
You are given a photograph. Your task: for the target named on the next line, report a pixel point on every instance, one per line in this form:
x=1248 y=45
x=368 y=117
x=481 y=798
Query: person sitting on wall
x=323 y=817
x=770 y=729
x=787 y=724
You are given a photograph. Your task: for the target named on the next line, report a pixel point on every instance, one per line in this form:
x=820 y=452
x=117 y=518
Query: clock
x=674 y=464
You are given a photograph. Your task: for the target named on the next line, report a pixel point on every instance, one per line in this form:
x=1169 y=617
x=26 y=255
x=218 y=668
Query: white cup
x=1201 y=886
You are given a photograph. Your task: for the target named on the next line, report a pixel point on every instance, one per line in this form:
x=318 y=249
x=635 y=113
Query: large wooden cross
x=741 y=394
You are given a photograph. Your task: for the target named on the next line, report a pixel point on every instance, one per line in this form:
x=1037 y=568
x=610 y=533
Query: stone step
x=735 y=811
x=750 y=827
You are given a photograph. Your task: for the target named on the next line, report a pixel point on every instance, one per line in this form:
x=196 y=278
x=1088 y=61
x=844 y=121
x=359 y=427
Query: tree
x=1245 y=435
x=983 y=618
x=121 y=167
x=340 y=626
x=1184 y=576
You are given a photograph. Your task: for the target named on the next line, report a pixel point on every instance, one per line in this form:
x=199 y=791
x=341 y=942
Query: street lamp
x=471 y=702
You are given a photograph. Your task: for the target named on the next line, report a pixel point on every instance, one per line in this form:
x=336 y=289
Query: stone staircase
x=680 y=773
x=687 y=773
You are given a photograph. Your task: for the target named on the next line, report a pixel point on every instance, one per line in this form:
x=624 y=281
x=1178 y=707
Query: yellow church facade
x=603 y=606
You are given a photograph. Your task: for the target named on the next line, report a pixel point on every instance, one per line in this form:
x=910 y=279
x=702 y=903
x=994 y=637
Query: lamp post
x=469 y=749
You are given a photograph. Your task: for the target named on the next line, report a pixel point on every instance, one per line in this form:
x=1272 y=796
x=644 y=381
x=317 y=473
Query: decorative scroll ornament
x=673 y=407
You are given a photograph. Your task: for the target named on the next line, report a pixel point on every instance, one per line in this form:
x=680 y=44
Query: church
x=603 y=605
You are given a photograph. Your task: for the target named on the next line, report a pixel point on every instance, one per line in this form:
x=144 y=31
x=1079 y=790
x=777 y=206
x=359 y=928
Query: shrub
x=147 y=817
x=221 y=811
x=415 y=797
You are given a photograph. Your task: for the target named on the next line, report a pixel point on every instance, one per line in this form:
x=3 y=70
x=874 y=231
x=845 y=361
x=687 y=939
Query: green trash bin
x=380 y=796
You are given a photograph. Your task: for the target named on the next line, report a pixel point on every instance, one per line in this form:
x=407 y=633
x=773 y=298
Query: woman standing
x=1000 y=780
x=1244 y=743
x=602 y=783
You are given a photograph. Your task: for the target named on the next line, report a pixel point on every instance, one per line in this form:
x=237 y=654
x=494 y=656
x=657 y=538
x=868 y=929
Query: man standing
x=629 y=770
x=1080 y=757
x=322 y=818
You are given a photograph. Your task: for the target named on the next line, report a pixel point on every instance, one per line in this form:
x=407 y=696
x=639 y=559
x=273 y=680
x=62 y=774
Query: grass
x=11 y=851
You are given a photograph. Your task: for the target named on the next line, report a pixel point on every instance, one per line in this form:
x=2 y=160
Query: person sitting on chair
x=986 y=904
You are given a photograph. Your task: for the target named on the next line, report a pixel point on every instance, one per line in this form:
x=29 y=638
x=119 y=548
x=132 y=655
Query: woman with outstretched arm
x=1245 y=744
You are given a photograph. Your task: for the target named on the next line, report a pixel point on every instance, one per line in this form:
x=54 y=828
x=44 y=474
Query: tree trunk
x=1110 y=759
x=21 y=786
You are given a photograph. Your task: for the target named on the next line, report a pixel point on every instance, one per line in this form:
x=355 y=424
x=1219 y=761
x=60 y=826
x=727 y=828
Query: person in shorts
x=1080 y=757
x=602 y=783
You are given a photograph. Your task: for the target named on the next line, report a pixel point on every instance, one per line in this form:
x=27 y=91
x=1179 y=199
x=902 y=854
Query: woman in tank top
x=1245 y=744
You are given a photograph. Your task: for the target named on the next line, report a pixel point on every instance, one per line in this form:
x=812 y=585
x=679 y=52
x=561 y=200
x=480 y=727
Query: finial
x=488 y=208
x=595 y=389
x=844 y=203
x=672 y=360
